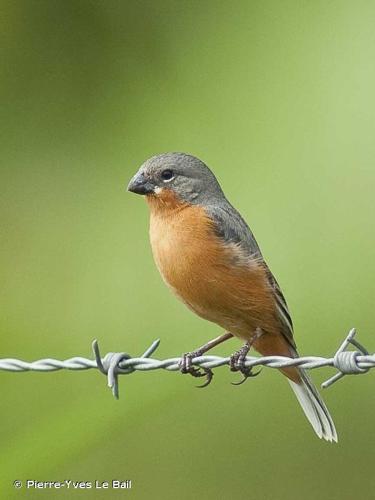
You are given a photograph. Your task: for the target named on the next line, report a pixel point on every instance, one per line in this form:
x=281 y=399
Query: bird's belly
x=202 y=272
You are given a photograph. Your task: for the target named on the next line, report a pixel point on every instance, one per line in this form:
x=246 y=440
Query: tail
x=307 y=395
x=314 y=407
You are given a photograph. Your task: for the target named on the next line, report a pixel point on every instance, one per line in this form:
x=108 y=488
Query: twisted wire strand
x=114 y=364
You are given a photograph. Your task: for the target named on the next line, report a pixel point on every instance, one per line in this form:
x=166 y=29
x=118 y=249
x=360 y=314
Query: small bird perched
x=208 y=256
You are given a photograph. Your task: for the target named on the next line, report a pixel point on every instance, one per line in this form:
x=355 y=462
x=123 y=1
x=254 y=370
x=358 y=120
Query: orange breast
x=215 y=280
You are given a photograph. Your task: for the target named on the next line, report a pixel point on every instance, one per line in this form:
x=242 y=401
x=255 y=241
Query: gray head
x=188 y=177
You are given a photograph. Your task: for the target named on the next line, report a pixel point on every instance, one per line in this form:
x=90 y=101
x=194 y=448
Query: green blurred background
x=278 y=98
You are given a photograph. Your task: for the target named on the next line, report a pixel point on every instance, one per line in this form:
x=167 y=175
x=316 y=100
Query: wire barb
x=110 y=365
x=347 y=362
x=114 y=364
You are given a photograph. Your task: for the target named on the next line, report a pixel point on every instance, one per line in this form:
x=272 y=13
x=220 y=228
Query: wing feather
x=232 y=228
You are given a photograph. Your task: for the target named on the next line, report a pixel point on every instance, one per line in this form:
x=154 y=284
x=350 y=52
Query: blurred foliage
x=278 y=98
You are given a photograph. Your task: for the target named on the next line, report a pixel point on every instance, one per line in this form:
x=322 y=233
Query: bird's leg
x=186 y=363
x=237 y=360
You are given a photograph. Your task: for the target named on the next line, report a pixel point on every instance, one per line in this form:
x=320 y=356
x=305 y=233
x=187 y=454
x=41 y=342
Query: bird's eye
x=167 y=175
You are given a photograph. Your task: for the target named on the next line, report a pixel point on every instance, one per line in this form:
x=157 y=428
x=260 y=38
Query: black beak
x=140 y=185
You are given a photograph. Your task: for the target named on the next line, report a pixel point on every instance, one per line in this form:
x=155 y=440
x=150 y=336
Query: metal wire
x=120 y=363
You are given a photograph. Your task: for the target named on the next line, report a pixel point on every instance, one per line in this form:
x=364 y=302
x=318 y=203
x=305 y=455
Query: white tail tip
x=314 y=408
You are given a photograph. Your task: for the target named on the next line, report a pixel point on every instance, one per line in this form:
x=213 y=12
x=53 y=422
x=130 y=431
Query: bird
x=208 y=256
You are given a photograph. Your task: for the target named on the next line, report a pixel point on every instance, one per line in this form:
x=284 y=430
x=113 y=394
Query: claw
x=246 y=375
x=237 y=364
x=209 y=374
x=186 y=366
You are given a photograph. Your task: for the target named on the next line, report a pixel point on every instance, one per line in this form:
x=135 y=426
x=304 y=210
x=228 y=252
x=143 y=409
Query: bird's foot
x=186 y=366
x=237 y=364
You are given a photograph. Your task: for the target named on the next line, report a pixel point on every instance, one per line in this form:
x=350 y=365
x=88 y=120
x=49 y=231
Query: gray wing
x=231 y=227
x=282 y=308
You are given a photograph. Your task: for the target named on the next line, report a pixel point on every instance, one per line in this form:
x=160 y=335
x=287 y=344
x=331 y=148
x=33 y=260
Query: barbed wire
x=121 y=363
